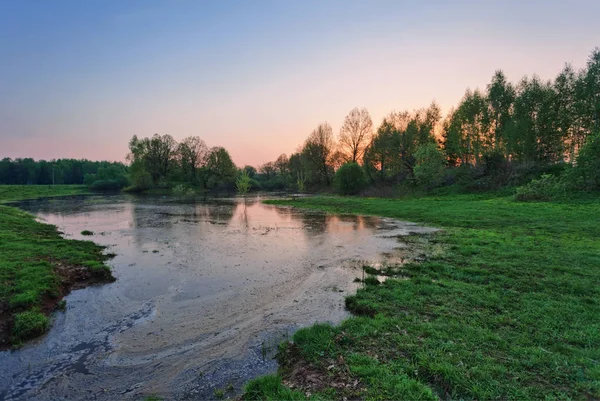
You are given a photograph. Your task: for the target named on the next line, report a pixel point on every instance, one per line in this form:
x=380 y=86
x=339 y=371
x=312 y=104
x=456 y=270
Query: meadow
x=505 y=306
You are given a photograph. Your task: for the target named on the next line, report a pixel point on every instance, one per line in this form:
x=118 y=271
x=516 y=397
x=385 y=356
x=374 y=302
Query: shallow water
x=204 y=293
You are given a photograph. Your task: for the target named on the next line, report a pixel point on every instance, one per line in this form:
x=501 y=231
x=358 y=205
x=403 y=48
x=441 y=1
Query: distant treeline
x=502 y=136
x=61 y=171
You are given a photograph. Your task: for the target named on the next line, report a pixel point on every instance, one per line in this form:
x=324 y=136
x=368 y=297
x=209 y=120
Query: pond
x=205 y=291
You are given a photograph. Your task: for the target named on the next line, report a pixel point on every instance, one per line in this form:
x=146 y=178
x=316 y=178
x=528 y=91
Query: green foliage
x=301 y=182
x=87 y=232
x=505 y=306
x=586 y=172
x=270 y=388
x=141 y=180
x=29 y=324
x=243 y=183
x=20 y=192
x=429 y=167
x=56 y=172
x=349 y=179
x=109 y=185
x=547 y=188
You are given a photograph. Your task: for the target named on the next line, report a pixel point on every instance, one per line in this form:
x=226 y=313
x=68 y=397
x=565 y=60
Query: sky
x=79 y=78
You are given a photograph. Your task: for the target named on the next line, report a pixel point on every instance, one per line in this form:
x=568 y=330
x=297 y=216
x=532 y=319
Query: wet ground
x=205 y=291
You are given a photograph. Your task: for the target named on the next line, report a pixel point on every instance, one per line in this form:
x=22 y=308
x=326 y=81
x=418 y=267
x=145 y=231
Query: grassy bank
x=509 y=310
x=38 y=266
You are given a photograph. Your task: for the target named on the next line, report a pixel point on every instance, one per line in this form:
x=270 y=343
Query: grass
x=510 y=309
x=31 y=255
x=21 y=192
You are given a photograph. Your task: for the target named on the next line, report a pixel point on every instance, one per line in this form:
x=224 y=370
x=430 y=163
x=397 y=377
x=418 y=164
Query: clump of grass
x=219 y=393
x=371 y=270
x=29 y=324
x=270 y=388
x=87 y=232
x=371 y=280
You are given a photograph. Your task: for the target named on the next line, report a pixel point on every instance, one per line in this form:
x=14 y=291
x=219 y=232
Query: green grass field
x=30 y=255
x=510 y=309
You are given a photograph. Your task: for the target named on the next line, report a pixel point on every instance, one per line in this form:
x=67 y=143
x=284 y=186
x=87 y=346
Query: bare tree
x=356 y=134
x=192 y=152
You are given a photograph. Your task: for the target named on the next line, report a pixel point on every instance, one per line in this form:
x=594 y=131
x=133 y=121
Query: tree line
x=492 y=136
x=502 y=135
x=62 y=171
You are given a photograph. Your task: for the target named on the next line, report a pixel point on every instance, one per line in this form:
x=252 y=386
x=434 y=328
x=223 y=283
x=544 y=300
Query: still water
x=205 y=291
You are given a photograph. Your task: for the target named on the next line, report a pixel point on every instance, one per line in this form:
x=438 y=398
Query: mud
x=205 y=291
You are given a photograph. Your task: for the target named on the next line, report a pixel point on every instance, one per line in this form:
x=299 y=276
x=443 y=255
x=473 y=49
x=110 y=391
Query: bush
x=106 y=185
x=349 y=179
x=586 y=172
x=141 y=181
x=548 y=187
x=430 y=164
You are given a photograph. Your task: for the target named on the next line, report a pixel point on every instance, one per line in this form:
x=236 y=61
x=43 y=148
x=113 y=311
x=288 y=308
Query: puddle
x=204 y=293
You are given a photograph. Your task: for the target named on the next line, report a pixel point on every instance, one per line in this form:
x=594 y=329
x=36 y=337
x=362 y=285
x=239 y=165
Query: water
x=204 y=293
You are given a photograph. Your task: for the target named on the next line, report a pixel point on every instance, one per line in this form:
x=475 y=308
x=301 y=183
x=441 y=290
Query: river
x=205 y=291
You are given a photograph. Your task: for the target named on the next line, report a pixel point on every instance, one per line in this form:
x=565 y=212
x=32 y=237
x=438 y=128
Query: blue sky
x=79 y=78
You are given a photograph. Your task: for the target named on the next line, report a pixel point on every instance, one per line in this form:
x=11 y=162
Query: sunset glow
x=78 y=81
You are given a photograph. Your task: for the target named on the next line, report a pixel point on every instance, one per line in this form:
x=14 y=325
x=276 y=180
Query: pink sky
x=260 y=92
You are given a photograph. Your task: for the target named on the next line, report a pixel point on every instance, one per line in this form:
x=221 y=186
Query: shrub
x=349 y=179
x=429 y=168
x=106 y=185
x=548 y=187
x=243 y=184
x=586 y=172
x=141 y=181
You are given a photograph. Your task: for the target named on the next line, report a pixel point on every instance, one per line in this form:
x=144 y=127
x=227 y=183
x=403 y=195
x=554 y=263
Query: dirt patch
x=299 y=374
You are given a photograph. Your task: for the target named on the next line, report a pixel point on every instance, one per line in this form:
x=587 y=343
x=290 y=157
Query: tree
x=192 y=152
x=501 y=96
x=349 y=179
x=268 y=170
x=251 y=171
x=317 y=151
x=156 y=155
x=219 y=169
x=243 y=183
x=586 y=173
x=282 y=164
x=381 y=159
x=429 y=167
x=355 y=134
